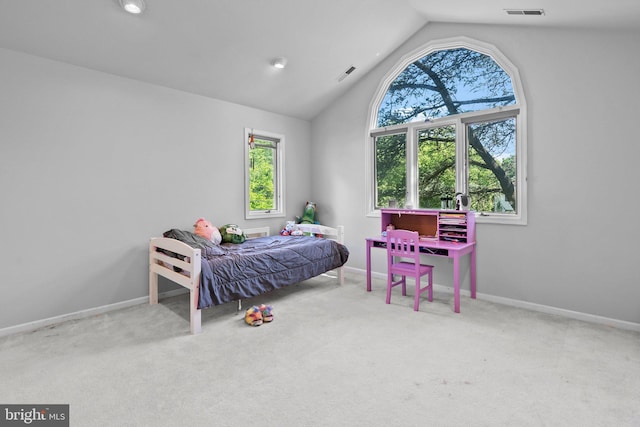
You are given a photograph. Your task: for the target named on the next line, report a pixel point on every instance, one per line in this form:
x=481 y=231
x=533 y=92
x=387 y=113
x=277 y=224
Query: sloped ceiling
x=223 y=48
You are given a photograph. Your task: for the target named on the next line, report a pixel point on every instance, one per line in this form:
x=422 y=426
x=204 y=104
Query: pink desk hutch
x=444 y=233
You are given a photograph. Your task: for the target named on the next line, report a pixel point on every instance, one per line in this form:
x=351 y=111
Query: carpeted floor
x=334 y=356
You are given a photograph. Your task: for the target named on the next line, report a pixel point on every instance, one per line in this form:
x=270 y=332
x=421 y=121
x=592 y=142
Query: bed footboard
x=181 y=264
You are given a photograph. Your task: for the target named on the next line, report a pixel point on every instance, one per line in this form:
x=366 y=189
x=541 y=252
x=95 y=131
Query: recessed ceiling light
x=133 y=6
x=280 y=62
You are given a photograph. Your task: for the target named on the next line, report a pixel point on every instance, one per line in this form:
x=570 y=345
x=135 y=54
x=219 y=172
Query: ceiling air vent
x=535 y=12
x=348 y=71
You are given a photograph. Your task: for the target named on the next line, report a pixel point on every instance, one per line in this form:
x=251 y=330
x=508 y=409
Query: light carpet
x=334 y=356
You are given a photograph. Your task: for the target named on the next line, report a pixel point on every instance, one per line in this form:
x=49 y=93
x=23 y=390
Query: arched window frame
x=520 y=217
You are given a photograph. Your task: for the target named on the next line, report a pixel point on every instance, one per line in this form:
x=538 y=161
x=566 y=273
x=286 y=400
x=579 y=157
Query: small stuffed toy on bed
x=291 y=229
x=204 y=228
x=309 y=214
x=231 y=233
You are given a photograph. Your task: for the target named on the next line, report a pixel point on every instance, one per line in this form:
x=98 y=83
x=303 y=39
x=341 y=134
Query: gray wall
x=578 y=251
x=93 y=165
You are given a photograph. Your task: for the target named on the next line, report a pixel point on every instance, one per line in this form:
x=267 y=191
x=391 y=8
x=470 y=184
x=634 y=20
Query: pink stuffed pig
x=204 y=228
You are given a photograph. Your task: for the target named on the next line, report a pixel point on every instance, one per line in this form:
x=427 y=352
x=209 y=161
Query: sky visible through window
x=444 y=83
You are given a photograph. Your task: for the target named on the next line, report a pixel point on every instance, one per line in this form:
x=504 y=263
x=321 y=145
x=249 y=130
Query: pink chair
x=403 y=245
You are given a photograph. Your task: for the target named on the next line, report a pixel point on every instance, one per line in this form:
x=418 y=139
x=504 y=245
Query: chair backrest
x=404 y=244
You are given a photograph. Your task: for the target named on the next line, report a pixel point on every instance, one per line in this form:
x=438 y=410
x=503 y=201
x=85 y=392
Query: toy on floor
x=253 y=316
x=204 y=228
x=257 y=315
x=267 y=312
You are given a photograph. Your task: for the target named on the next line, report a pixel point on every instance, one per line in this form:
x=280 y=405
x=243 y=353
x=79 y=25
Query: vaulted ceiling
x=223 y=48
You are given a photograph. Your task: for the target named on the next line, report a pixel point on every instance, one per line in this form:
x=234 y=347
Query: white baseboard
x=592 y=318
x=82 y=314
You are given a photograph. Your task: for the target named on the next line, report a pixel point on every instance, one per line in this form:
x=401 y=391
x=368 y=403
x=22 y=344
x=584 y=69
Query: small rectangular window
x=264 y=167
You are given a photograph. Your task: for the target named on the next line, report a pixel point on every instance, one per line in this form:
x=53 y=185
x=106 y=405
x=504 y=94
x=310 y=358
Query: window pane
x=437 y=167
x=391 y=169
x=492 y=166
x=262 y=173
x=445 y=83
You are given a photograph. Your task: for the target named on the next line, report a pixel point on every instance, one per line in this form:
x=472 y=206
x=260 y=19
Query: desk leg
x=473 y=273
x=456 y=283
x=368 y=254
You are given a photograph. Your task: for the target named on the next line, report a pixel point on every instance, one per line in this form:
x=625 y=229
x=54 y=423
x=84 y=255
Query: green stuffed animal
x=309 y=215
x=231 y=233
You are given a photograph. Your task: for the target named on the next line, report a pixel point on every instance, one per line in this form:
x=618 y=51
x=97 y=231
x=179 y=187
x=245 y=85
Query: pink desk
x=436 y=248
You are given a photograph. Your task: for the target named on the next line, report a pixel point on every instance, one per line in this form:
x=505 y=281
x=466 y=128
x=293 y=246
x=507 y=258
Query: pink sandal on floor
x=267 y=313
x=253 y=316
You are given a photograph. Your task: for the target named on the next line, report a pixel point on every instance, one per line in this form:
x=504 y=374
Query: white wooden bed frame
x=161 y=264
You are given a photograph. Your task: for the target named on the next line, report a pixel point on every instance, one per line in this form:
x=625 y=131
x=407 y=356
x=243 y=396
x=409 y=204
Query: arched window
x=449 y=119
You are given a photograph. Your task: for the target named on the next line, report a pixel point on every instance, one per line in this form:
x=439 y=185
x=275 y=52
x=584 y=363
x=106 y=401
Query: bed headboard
x=253 y=233
x=332 y=233
x=336 y=233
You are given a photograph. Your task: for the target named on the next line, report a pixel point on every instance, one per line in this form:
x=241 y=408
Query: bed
x=217 y=274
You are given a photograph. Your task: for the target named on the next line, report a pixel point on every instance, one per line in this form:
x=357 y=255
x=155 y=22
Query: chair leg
x=419 y=290
x=391 y=284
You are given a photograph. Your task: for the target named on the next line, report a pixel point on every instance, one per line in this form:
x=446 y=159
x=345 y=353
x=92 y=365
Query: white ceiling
x=223 y=48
